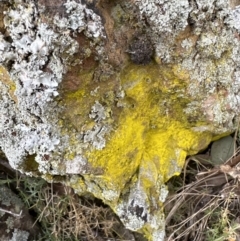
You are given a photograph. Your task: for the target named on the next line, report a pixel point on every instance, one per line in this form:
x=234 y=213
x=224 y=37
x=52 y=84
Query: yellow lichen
x=78 y=103
x=149 y=131
x=151 y=136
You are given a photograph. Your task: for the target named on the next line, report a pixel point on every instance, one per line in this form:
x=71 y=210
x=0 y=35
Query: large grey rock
x=74 y=106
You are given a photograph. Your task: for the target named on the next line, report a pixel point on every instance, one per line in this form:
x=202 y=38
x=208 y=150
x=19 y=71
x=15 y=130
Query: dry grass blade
x=66 y=216
x=205 y=208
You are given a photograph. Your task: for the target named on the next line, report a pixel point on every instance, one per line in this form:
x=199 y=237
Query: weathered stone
x=222 y=150
x=74 y=105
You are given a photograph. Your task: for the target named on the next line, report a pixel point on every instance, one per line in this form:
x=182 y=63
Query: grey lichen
x=165 y=16
x=134 y=210
x=213 y=62
x=82 y=18
x=19 y=235
x=165 y=20
x=10 y=200
x=10 y=224
x=209 y=54
x=36 y=57
x=96 y=136
x=30 y=50
x=98 y=112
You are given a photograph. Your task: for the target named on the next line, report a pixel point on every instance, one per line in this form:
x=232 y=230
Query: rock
x=16 y=222
x=75 y=103
x=222 y=150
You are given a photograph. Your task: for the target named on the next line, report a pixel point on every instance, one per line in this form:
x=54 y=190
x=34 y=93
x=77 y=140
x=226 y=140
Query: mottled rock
x=75 y=103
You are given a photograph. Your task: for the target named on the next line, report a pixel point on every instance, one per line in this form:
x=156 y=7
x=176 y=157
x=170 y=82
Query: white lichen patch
x=98 y=112
x=76 y=166
x=213 y=64
x=19 y=235
x=158 y=235
x=110 y=195
x=209 y=52
x=163 y=193
x=81 y=19
x=96 y=135
x=131 y=221
x=135 y=222
x=165 y=19
x=165 y=16
x=235 y=14
x=187 y=43
x=36 y=56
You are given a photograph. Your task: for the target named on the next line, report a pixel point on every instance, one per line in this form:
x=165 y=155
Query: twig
x=14 y=214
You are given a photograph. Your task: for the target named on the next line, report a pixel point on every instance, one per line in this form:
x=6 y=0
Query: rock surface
x=222 y=150
x=112 y=105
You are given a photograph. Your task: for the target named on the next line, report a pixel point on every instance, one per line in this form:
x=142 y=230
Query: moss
x=119 y=15
x=77 y=108
x=30 y=164
x=78 y=103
